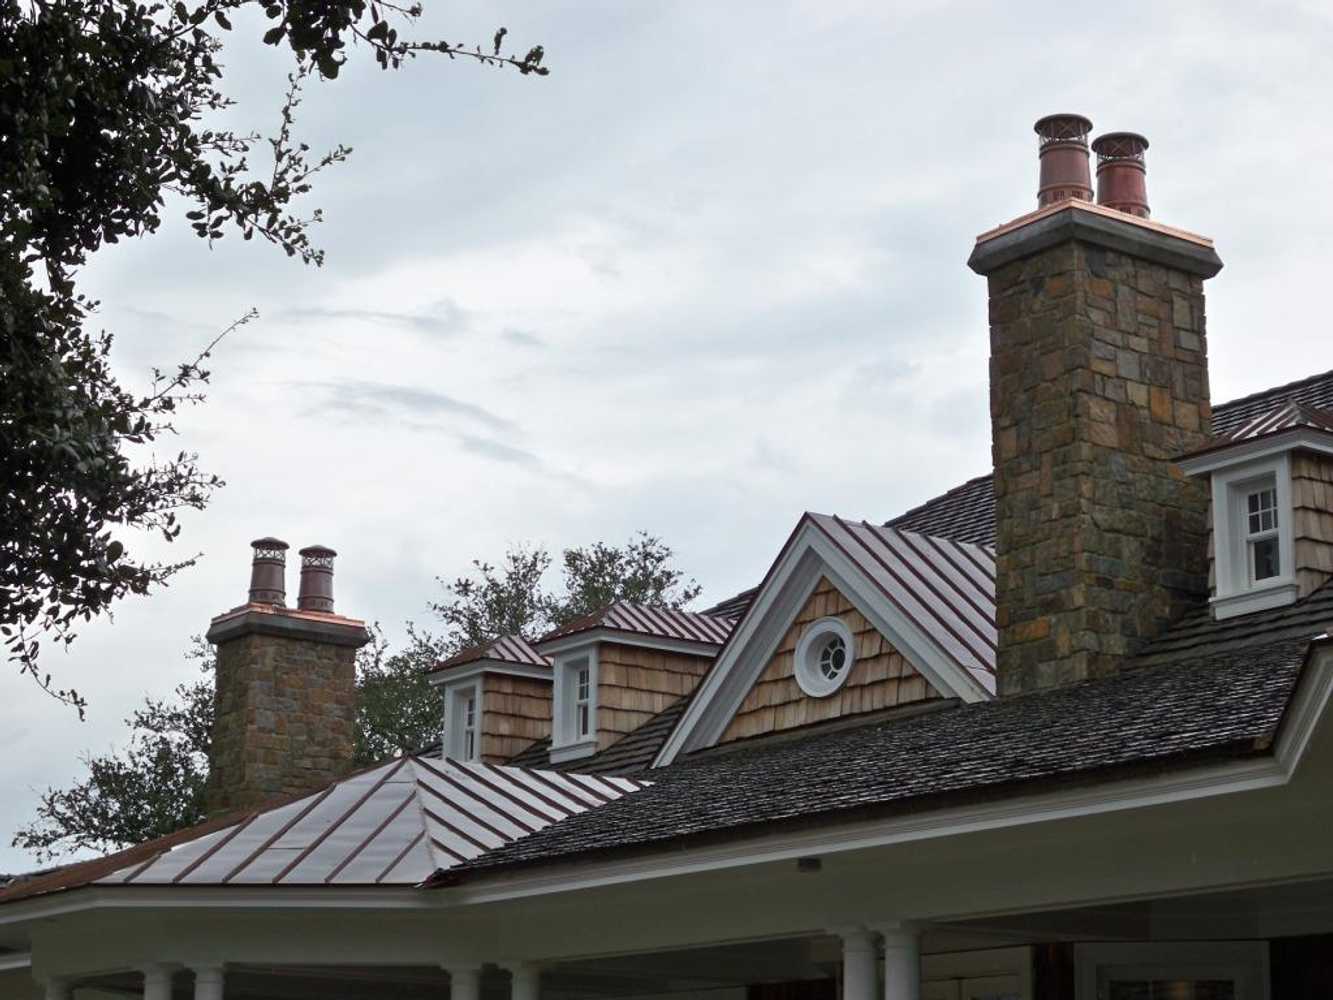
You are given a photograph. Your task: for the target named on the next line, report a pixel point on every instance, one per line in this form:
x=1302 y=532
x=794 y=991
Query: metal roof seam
x=315 y=800
x=372 y=836
x=473 y=817
x=451 y=780
x=956 y=556
x=347 y=814
x=402 y=854
x=235 y=831
x=545 y=799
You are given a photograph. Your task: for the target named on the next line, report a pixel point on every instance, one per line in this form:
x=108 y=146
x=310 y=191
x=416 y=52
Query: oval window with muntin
x=824 y=657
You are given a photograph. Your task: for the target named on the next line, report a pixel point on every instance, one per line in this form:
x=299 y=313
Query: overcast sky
x=706 y=275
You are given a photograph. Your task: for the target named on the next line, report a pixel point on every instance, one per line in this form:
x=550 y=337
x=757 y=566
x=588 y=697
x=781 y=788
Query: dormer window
x=574 y=729
x=462 y=737
x=1252 y=537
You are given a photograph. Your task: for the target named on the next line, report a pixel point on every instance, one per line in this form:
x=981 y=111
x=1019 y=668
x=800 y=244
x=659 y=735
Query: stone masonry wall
x=285 y=718
x=1098 y=380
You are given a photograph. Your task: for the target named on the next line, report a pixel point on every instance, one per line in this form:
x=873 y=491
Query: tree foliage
x=107 y=107
x=514 y=599
x=155 y=785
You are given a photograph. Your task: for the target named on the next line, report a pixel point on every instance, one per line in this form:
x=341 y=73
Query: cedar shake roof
x=1225 y=705
x=630 y=755
x=394 y=824
x=1289 y=416
x=640 y=619
x=509 y=649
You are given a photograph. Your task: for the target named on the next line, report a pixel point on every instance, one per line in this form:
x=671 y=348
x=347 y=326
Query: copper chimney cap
x=1122 y=176
x=1063 y=152
x=268 y=572
x=316 y=579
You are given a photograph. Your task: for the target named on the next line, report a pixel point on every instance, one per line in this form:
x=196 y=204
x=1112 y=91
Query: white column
x=464 y=982
x=208 y=982
x=157 y=982
x=57 y=989
x=525 y=981
x=859 y=978
x=902 y=962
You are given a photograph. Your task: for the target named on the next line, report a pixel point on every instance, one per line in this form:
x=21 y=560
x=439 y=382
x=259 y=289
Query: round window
x=824 y=657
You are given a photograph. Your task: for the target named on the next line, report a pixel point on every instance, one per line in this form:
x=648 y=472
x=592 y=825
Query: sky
x=706 y=275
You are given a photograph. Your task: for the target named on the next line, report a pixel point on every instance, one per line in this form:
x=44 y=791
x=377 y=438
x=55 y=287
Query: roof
x=641 y=619
x=945 y=587
x=508 y=649
x=394 y=824
x=1315 y=391
x=631 y=754
x=733 y=607
x=1289 y=416
x=966 y=513
x=1221 y=706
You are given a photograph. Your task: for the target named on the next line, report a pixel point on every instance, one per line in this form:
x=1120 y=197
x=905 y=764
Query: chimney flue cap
x=1063 y=151
x=1122 y=175
x=316 y=578
x=268 y=569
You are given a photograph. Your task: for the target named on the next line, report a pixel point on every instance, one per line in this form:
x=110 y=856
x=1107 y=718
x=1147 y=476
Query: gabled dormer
x=615 y=669
x=1271 y=482
x=497 y=700
x=852 y=620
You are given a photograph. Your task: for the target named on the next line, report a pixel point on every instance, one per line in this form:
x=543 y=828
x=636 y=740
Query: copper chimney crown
x=268 y=572
x=1122 y=177
x=1064 y=159
x=316 y=579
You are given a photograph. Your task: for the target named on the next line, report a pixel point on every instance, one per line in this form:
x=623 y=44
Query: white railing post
x=464 y=982
x=208 y=982
x=157 y=982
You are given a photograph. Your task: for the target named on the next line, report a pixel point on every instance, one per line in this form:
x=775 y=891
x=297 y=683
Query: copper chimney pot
x=316 y=579
x=1122 y=177
x=268 y=572
x=1064 y=159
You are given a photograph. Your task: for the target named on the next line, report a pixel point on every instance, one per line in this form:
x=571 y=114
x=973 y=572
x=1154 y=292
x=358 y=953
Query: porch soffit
x=933 y=599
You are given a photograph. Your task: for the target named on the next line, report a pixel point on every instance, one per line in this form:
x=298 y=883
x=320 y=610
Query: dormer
x=615 y=669
x=1271 y=484
x=497 y=700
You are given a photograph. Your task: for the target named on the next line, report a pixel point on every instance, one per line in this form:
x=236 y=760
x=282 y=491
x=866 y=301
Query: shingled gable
x=932 y=599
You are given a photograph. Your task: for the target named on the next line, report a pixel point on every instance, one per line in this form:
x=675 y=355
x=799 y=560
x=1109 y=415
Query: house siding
x=635 y=683
x=516 y=712
x=880 y=678
x=1312 y=519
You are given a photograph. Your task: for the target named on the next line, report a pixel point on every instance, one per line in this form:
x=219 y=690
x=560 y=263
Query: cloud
x=372 y=400
x=521 y=338
x=444 y=318
x=499 y=452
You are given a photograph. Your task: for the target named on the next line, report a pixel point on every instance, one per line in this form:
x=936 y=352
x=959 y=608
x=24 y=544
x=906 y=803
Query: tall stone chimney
x=1099 y=376
x=285 y=707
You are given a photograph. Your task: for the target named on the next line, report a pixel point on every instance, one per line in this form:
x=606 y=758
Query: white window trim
x=1245 y=962
x=1235 y=593
x=808 y=675
x=566 y=745
x=455 y=696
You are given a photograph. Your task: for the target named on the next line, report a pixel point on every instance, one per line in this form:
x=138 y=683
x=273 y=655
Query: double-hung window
x=1262 y=546
x=469 y=714
x=582 y=702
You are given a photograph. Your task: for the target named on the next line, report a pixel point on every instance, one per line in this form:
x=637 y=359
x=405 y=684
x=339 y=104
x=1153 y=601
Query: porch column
x=57 y=989
x=525 y=981
x=464 y=982
x=208 y=982
x=902 y=962
x=157 y=982
x=859 y=978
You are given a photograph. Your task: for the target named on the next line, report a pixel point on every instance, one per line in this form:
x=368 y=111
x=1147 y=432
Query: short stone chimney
x=1099 y=377
x=285 y=707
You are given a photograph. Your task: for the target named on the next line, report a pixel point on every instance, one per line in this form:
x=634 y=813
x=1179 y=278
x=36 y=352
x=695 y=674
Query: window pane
x=583 y=719
x=1265 y=559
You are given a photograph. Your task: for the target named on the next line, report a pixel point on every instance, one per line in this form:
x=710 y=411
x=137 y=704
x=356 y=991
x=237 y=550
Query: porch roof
x=1224 y=705
x=394 y=824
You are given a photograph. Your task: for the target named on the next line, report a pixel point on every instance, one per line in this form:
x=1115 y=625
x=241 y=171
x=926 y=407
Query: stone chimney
x=285 y=708
x=1099 y=377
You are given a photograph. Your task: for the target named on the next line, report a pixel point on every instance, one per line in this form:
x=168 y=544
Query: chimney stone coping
x=1090 y=223
x=266 y=619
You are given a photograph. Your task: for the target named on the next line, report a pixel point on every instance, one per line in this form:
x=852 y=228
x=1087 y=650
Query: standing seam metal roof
x=507 y=649
x=640 y=619
x=392 y=825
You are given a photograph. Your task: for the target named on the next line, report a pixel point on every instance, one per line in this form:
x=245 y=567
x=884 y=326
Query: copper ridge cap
x=279 y=612
x=1094 y=209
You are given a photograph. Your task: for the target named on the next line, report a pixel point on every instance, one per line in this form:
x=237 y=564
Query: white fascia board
x=443 y=678
x=1307 y=707
x=810 y=555
x=578 y=640
x=1305 y=438
x=16 y=963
